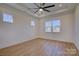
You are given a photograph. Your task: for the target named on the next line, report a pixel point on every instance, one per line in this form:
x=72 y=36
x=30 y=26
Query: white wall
x=66 y=33
x=76 y=39
x=19 y=31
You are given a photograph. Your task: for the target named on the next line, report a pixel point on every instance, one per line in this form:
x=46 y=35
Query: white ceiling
x=59 y=7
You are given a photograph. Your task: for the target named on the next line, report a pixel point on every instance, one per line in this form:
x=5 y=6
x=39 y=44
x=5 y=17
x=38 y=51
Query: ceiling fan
x=42 y=7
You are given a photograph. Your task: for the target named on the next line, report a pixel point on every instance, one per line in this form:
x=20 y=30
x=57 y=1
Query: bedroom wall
x=76 y=39
x=19 y=31
x=67 y=23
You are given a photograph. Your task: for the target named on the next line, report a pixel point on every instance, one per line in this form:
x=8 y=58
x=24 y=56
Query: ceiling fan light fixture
x=40 y=10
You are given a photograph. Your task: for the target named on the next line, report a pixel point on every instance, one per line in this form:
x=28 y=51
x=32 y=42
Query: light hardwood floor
x=41 y=47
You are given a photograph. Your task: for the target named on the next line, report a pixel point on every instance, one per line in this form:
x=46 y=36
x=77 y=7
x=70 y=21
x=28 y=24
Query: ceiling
x=59 y=7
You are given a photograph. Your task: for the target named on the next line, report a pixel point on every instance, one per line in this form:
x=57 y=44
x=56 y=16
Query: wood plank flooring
x=41 y=47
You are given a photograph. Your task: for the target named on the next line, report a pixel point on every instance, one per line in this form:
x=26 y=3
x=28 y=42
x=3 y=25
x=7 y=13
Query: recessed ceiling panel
x=33 y=8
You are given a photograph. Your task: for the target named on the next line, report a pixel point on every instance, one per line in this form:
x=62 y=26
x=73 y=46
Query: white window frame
x=52 y=25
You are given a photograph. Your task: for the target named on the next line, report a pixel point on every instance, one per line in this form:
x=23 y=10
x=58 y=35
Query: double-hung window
x=52 y=26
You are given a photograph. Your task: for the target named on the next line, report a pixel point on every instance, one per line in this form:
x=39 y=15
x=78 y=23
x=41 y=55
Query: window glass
x=32 y=23
x=7 y=18
x=52 y=26
x=56 y=25
x=48 y=26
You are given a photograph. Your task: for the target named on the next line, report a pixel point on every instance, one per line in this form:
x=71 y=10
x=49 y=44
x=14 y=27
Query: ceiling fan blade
x=36 y=11
x=46 y=10
x=49 y=6
x=37 y=5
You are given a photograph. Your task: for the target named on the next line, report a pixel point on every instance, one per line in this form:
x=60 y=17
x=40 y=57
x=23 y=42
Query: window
x=52 y=26
x=32 y=23
x=7 y=18
x=48 y=26
x=56 y=25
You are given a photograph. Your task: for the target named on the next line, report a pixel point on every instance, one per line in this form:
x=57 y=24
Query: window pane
x=48 y=23
x=7 y=18
x=48 y=26
x=48 y=29
x=57 y=29
x=56 y=25
x=32 y=23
